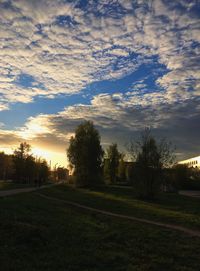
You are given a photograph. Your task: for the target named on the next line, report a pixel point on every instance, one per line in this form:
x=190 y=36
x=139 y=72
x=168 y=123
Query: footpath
x=193 y=233
x=5 y=193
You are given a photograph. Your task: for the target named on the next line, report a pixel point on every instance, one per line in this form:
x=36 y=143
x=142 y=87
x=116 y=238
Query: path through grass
x=170 y=208
x=40 y=234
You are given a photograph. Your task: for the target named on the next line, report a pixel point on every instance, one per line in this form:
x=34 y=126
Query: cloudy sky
x=124 y=64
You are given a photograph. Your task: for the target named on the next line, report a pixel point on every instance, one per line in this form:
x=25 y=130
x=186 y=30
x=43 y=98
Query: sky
x=123 y=64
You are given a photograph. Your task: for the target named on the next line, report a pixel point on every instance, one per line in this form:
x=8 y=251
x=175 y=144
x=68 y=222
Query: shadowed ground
x=46 y=234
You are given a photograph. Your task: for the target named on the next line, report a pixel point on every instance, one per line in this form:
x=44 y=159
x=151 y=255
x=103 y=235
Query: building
x=192 y=162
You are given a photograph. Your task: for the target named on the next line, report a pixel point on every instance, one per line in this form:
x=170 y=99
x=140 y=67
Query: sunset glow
x=53 y=158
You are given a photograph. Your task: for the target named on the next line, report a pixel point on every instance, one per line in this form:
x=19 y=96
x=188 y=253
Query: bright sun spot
x=53 y=158
x=40 y=153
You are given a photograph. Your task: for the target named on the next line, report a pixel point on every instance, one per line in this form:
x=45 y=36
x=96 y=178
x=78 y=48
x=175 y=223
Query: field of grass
x=170 y=208
x=41 y=234
x=7 y=185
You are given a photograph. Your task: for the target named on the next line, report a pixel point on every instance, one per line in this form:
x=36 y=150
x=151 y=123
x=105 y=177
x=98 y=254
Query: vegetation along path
x=160 y=224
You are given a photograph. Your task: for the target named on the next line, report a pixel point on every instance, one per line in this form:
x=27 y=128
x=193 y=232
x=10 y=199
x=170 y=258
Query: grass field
x=41 y=234
x=170 y=208
x=7 y=185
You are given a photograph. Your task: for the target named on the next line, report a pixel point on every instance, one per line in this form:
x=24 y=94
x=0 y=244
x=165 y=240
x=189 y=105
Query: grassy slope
x=170 y=208
x=40 y=234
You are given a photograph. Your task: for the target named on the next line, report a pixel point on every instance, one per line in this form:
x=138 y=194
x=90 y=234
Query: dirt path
x=193 y=194
x=11 y=192
x=147 y=221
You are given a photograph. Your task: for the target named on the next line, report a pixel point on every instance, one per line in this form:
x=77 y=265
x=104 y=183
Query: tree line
x=150 y=169
x=151 y=166
x=23 y=167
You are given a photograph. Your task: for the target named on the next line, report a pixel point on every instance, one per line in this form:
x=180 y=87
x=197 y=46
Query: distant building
x=192 y=162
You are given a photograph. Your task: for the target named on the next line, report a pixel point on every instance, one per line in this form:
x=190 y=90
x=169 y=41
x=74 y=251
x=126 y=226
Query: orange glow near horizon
x=52 y=158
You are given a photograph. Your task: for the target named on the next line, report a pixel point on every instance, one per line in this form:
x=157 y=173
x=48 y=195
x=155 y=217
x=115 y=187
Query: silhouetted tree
x=6 y=166
x=27 y=168
x=19 y=158
x=151 y=158
x=111 y=163
x=85 y=154
x=43 y=171
x=121 y=172
x=130 y=171
x=30 y=169
x=23 y=150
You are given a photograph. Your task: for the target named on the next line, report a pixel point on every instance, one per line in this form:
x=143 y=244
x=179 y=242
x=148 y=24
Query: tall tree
x=111 y=163
x=19 y=158
x=28 y=169
x=43 y=171
x=23 y=150
x=151 y=157
x=6 y=166
x=85 y=154
x=122 y=169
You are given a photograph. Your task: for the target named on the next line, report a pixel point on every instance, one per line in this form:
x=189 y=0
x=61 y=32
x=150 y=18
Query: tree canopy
x=85 y=154
x=111 y=163
x=151 y=157
x=27 y=168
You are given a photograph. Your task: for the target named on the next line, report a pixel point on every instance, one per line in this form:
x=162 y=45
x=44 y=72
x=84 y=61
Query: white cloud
x=130 y=111
x=65 y=58
x=118 y=118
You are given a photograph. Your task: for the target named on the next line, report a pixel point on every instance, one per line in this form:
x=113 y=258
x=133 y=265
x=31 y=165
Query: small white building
x=192 y=162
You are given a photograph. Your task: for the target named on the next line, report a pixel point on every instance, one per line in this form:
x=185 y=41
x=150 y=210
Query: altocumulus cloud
x=119 y=118
x=49 y=48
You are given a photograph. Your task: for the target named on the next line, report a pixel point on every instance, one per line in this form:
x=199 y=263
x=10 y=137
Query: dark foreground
x=41 y=234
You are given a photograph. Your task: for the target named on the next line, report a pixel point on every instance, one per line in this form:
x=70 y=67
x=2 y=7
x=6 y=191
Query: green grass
x=7 y=185
x=170 y=208
x=41 y=234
